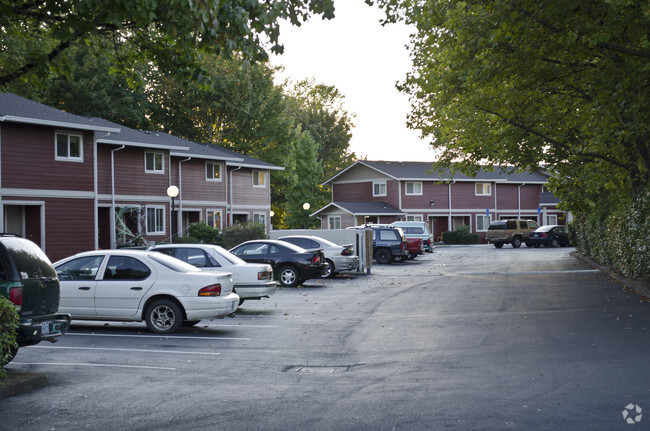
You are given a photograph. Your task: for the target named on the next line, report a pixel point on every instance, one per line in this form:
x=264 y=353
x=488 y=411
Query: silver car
x=339 y=257
x=251 y=280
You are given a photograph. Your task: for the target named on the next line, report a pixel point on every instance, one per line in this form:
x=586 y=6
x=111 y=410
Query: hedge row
x=8 y=326
x=461 y=235
x=618 y=237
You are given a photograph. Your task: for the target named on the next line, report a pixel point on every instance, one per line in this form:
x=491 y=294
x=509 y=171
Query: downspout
x=519 y=200
x=449 y=227
x=113 y=241
x=231 y=196
x=179 y=220
x=496 y=209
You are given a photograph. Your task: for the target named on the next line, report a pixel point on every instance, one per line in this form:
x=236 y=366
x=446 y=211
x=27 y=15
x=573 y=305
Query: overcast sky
x=363 y=60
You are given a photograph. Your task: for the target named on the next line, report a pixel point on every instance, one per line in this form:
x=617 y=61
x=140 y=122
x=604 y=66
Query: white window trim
x=486 y=222
x=374 y=183
x=260 y=215
x=551 y=216
x=219 y=215
x=162 y=215
x=154 y=171
x=220 y=178
x=406 y=192
x=489 y=187
x=333 y=218
x=414 y=217
x=256 y=175
x=68 y=158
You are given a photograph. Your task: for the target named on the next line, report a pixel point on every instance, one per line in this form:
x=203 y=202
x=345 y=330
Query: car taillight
x=544 y=235
x=16 y=297
x=212 y=290
x=265 y=275
x=315 y=259
x=347 y=251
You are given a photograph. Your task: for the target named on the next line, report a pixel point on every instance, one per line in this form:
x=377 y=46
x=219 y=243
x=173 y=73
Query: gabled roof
x=17 y=109
x=423 y=171
x=360 y=209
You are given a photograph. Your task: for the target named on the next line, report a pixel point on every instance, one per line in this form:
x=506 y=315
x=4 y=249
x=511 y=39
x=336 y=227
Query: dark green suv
x=29 y=281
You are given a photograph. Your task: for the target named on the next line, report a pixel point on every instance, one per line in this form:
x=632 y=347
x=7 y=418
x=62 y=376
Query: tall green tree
x=172 y=34
x=561 y=84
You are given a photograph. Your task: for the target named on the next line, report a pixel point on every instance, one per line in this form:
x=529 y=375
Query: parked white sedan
x=136 y=285
x=339 y=257
x=252 y=280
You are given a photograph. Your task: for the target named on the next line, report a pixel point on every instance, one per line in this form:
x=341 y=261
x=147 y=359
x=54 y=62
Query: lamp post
x=306 y=207
x=271 y=214
x=172 y=192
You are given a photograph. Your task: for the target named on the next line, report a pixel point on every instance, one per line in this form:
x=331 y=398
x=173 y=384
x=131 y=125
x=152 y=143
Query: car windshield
x=173 y=263
x=544 y=228
x=31 y=261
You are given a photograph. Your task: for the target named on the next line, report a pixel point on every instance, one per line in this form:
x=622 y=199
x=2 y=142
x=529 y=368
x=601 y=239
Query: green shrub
x=238 y=233
x=203 y=233
x=8 y=326
x=617 y=236
x=461 y=235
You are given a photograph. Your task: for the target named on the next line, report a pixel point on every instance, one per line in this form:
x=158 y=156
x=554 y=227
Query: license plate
x=45 y=328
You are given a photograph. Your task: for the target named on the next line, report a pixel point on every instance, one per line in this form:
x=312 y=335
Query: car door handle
x=136 y=288
x=84 y=288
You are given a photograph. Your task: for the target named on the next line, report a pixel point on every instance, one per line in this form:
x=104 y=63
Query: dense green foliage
x=461 y=235
x=618 y=237
x=8 y=326
x=228 y=237
x=531 y=84
x=171 y=34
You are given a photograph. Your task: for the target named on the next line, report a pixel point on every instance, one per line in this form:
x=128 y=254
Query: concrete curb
x=639 y=287
x=17 y=383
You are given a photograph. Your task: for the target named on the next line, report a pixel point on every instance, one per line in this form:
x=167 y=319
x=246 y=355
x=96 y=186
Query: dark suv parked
x=29 y=281
x=388 y=243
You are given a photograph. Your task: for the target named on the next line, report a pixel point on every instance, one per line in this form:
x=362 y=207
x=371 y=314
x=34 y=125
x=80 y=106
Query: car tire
x=399 y=259
x=516 y=242
x=554 y=243
x=288 y=276
x=529 y=244
x=383 y=256
x=498 y=244
x=163 y=316
x=330 y=270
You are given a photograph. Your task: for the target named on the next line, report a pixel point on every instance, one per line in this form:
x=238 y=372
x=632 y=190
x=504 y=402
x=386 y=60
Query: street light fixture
x=172 y=192
x=306 y=207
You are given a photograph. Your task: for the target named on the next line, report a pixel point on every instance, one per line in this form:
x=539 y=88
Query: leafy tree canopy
x=172 y=34
x=565 y=85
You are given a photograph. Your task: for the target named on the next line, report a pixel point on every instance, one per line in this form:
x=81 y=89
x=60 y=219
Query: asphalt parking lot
x=468 y=337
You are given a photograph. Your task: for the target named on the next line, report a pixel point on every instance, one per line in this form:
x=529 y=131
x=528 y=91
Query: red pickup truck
x=415 y=246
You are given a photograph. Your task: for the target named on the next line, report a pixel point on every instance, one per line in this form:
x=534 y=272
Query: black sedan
x=549 y=236
x=291 y=264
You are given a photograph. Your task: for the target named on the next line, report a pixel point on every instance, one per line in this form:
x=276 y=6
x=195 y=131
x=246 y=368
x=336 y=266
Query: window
x=214 y=219
x=155 y=220
x=414 y=188
x=388 y=235
x=213 y=171
x=551 y=219
x=125 y=268
x=259 y=179
x=413 y=218
x=69 y=147
x=379 y=188
x=483 y=189
x=154 y=162
x=259 y=218
x=482 y=223
x=334 y=222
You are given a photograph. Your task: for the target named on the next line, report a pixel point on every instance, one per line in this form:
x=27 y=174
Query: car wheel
x=383 y=256
x=163 y=316
x=554 y=243
x=498 y=244
x=288 y=276
x=516 y=242
x=330 y=270
x=529 y=244
x=190 y=323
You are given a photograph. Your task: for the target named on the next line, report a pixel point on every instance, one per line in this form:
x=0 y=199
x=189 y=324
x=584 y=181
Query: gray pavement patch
x=17 y=383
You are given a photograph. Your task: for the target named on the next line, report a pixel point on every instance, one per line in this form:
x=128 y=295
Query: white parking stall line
x=59 y=364
x=178 y=352
x=565 y=271
x=160 y=337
